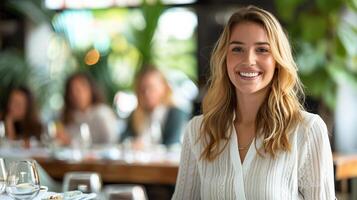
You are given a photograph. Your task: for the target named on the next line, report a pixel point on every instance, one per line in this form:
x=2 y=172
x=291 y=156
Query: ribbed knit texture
x=304 y=173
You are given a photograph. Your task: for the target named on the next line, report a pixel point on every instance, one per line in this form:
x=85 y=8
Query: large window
x=109 y=42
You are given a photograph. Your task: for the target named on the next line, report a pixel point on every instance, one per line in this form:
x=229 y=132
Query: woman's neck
x=85 y=108
x=248 y=106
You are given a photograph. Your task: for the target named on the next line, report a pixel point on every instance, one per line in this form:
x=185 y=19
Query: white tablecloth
x=45 y=195
x=41 y=195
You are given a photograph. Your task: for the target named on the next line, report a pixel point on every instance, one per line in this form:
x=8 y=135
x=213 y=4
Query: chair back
x=87 y=182
x=125 y=192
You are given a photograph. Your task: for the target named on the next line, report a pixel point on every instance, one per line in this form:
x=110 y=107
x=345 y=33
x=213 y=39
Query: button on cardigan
x=306 y=172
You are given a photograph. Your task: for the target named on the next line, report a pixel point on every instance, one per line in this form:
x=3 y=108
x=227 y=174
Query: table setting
x=46 y=195
x=20 y=181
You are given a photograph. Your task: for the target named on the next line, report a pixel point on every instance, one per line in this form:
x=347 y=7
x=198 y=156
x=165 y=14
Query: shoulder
x=310 y=120
x=312 y=127
x=195 y=122
x=102 y=110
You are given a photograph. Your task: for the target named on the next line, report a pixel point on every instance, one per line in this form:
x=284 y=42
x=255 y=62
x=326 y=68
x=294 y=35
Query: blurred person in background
x=156 y=120
x=84 y=104
x=21 y=116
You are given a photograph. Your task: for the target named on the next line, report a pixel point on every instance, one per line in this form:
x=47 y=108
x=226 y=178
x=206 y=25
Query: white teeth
x=249 y=74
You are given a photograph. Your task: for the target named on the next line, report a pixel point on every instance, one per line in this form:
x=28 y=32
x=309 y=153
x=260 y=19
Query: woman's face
x=17 y=105
x=152 y=90
x=250 y=63
x=80 y=93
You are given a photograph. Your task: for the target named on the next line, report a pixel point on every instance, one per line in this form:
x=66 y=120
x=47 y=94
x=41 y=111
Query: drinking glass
x=2 y=133
x=85 y=136
x=23 y=181
x=82 y=142
x=3 y=176
x=48 y=137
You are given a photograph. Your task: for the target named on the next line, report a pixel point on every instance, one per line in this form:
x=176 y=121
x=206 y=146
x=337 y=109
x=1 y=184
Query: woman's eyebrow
x=262 y=43
x=236 y=42
x=257 y=43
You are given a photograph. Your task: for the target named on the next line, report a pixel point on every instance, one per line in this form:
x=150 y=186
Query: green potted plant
x=324 y=37
x=14 y=68
x=325 y=44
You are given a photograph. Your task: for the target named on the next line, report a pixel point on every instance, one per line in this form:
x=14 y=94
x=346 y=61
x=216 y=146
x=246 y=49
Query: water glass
x=2 y=133
x=23 y=181
x=48 y=137
x=85 y=136
x=3 y=175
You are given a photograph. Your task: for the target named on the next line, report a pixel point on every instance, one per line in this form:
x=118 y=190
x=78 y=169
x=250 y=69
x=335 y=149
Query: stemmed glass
x=23 y=181
x=48 y=138
x=85 y=136
x=82 y=142
x=3 y=176
x=2 y=133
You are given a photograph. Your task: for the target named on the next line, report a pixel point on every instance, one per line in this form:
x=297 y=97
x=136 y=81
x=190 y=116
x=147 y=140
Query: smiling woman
x=250 y=64
x=255 y=141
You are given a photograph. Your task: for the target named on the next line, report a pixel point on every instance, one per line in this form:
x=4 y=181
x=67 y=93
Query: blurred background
x=43 y=42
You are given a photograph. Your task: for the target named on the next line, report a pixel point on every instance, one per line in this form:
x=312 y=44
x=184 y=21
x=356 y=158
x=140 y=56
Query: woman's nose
x=250 y=58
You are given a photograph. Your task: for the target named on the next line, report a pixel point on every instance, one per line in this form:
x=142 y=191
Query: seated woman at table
x=83 y=104
x=20 y=116
x=156 y=120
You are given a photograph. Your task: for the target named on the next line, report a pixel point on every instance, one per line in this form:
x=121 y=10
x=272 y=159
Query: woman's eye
x=237 y=49
x=262 y=50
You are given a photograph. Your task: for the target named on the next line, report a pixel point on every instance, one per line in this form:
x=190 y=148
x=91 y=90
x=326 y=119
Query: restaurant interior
x=80 y=78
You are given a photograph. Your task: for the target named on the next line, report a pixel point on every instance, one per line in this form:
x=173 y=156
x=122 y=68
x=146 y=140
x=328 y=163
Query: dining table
x=114 y=164
x=118 y=165
x=115 y=171
x=345 y=167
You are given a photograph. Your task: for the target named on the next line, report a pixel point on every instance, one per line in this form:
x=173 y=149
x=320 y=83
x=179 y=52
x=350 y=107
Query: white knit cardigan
x=304 y=173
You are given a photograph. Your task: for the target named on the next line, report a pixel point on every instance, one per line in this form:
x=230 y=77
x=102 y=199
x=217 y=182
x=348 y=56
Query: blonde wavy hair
x=140 y=113
x=279 y=113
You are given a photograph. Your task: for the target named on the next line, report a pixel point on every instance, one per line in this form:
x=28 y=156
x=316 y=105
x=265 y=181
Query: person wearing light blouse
x=254 y=139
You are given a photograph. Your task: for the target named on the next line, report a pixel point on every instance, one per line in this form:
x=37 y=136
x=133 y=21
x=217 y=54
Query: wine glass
x=2 y=133
x=23 y=181
x=85 y=136
x=81 y=142
x=3 y=176
x=48 y=138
